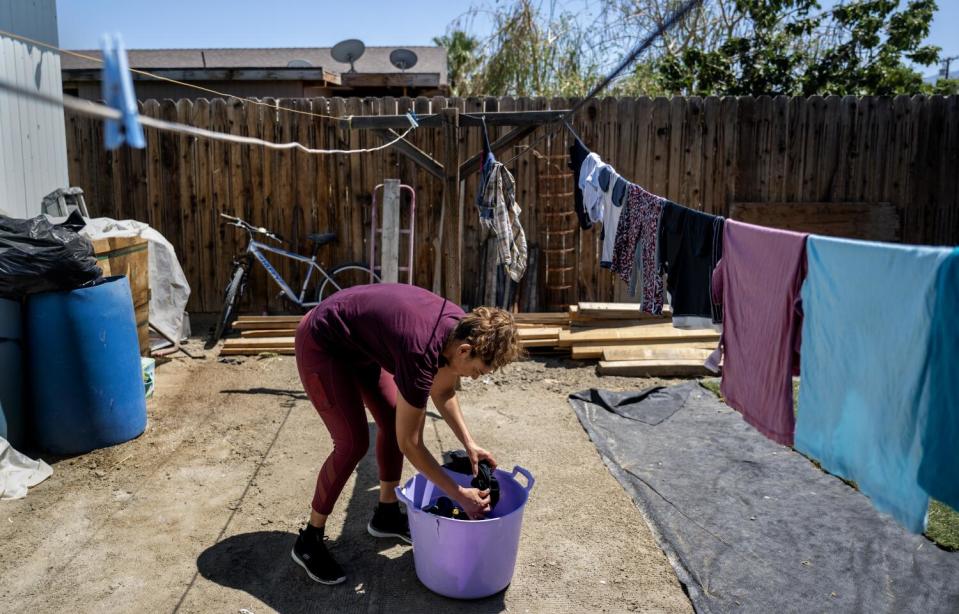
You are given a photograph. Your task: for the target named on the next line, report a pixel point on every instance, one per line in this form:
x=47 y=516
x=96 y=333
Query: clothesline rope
x=102 y=112
x=91 y=58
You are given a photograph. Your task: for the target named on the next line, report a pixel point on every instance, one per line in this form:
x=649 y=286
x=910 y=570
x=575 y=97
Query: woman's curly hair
x=493 y=335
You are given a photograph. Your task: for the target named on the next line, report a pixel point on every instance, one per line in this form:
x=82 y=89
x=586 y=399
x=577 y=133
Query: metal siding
x=33 y=153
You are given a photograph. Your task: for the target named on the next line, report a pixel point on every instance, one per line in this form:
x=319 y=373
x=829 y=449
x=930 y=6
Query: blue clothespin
x=414 y=121
x=118 y=93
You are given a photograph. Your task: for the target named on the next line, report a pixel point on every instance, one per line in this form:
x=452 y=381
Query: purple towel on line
x=758 y=281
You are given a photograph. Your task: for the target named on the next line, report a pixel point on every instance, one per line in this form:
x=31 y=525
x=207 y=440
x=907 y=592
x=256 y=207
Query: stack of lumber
x=262 y=334
x=623 y=338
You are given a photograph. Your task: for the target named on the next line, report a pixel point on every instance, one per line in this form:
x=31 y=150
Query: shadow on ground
x=297 y=395
x=380 y=573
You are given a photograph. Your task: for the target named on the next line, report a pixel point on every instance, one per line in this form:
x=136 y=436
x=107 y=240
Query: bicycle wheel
x=231 y=302
x=345 y=276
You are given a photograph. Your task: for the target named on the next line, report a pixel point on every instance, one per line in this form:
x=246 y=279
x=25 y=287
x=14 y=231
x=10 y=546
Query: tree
x=531 y=51
x=792 y=47
x=461 y=58
x=736 y=47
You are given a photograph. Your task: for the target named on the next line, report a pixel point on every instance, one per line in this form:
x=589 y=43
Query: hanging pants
x=339 y=388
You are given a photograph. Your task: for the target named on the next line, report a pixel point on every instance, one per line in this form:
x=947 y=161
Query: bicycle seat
x=321 y=238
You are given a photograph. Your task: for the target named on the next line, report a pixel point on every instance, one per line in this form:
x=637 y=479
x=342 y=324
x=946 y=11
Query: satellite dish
x=299 y=64
x=348 y=51
x=403 y=59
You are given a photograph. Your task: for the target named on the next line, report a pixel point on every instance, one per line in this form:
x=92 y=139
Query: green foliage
x=789 y=47
x=734 y=47
x=461 y=58
x=528 y=53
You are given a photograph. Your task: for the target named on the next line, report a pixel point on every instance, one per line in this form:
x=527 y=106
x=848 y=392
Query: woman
x=391 y=347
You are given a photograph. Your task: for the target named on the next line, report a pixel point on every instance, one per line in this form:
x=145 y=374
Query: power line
x=102 y=112
x=626 y=61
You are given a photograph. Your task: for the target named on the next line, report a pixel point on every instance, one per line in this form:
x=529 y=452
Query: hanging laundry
x=689 y=248
x=865 y=342
x=636 y=234
x=577 y=155
x=589 y=181
x=939 y=468
x=612 y=210
x=488 y=160
x=758 y=281
x=499 y=198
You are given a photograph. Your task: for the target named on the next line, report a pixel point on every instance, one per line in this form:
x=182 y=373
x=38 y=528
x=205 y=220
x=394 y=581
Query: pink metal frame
x=411 y=231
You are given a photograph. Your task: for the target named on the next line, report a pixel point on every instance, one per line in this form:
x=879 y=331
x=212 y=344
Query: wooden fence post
x=390 y=244
x=452 y=244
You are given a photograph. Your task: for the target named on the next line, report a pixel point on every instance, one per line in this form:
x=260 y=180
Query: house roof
x=376 y=60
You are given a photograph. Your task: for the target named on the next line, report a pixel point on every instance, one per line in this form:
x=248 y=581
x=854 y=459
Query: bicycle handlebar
x=245 y=225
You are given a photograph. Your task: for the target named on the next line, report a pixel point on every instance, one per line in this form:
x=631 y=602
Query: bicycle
x=339 y=277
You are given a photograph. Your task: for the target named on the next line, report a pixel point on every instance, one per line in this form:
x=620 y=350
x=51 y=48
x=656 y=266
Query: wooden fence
x=704 y=153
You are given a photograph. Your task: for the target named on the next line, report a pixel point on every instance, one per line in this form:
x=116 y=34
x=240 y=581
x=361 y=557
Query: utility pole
x=947 y=62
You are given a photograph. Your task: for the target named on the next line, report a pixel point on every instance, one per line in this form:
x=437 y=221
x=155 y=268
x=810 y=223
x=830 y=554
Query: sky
x=312 y=23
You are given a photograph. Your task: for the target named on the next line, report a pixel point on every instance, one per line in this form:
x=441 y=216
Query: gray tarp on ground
x=752 y=526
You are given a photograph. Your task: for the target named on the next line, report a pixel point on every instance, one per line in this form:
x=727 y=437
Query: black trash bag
x=37 y=256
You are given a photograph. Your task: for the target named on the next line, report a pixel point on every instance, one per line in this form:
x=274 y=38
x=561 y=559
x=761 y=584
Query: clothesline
x=869 y=326
x=102 y=112
x=91 y=58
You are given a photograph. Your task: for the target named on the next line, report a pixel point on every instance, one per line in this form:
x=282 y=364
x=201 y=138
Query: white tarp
x=19 y=472
x=169 y=290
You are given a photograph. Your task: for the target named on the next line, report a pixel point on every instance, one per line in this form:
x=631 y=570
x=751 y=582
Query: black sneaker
x=389 y=521
x=311 y=554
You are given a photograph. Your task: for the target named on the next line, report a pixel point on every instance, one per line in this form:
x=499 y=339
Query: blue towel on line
x=863 y=394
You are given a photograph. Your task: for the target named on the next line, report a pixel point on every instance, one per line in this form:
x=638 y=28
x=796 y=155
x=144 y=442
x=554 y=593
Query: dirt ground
x=200 y=512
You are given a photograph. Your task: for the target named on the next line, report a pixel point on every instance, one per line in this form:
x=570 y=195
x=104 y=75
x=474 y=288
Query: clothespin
x=414 y=121
x=118 y=93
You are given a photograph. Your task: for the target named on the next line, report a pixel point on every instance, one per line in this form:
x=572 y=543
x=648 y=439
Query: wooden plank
x=453 y=209
x=596 y=350
x=187 y=205
x=870 y=221
x=511 y=118
x=253 y=344
x=390 y=235
x=658 y=352
x=653 y=368
x=544 y=317
x=551 y=332
x=414 y=153
x=288 y=351
x=269 y=332
x=206 y=219
x=587 y=309
x=650 y=333
x=535 y=343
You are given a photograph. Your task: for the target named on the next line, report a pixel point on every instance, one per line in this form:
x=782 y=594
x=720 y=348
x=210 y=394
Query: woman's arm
x=449 y=407
x=409 y=437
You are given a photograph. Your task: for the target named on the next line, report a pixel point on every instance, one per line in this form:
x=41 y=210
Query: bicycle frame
x=256 y=249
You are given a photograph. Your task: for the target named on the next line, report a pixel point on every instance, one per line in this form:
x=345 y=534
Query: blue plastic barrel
x=12 y=419
x=84 y=368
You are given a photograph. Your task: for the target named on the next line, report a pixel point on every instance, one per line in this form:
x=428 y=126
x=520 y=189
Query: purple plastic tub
x=466 y=559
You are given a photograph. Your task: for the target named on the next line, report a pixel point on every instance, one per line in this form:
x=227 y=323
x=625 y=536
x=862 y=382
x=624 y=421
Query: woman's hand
x=474 y=502
x=477 y=454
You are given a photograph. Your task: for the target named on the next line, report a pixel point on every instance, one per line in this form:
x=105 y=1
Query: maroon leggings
x=338 y=389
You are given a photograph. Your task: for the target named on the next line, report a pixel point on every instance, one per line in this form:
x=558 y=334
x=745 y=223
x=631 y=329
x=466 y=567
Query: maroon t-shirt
x=400 y=327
